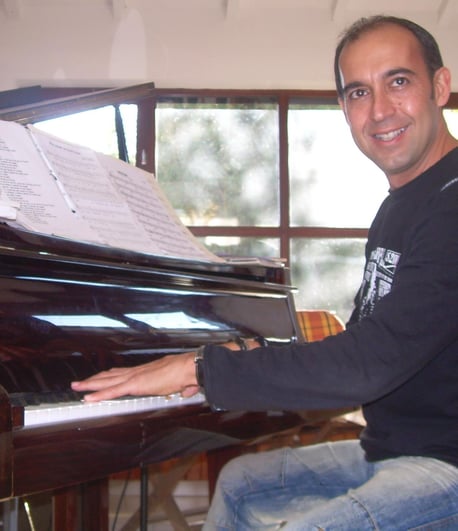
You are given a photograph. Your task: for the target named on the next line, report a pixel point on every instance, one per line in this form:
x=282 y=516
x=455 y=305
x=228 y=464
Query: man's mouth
x=387 y=137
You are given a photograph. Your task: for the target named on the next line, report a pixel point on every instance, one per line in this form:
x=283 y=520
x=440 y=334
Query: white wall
x=193 y=43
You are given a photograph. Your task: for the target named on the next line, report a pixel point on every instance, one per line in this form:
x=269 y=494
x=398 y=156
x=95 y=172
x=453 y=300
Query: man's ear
x=442 y=85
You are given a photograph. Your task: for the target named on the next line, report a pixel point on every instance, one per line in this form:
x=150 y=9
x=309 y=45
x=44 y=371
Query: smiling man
x=393 y=100
x=398 y=356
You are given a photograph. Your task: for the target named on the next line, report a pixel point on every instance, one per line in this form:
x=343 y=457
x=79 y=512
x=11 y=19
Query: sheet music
x=88 y=187
x=27 y=185
x=152 y=209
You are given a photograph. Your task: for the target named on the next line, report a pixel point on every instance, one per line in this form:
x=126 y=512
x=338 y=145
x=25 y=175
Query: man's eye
x=400 y=81
x=358 y=93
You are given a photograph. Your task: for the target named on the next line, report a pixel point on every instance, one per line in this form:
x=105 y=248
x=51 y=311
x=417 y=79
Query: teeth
x=386 y=137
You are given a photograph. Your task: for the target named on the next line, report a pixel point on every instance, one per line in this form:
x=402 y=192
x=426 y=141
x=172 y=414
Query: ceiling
x=439 y=11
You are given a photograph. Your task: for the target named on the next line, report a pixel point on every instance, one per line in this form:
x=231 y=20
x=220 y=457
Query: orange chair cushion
x=317 y=324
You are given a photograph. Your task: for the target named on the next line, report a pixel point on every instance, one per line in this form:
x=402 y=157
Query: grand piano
x=69 y=309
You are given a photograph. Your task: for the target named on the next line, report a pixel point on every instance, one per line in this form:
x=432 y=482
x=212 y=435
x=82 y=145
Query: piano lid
x=52 y=108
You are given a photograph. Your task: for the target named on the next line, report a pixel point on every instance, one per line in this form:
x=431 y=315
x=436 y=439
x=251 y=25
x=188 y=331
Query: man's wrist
x=199 y=366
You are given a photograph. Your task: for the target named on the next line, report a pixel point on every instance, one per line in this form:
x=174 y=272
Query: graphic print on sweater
x=378 y=278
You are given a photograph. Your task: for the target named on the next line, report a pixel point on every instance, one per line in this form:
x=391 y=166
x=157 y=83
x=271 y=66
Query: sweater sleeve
x=412 y=324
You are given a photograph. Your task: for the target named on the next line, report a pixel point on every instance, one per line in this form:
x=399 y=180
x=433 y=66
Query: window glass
x=218 y=163
x=327 y=273
x=451 y=117
x=236 y=246
x=331 y=182
x=96 y=129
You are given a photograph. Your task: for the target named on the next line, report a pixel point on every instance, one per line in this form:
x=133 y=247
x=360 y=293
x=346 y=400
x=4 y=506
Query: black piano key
x=36 y=399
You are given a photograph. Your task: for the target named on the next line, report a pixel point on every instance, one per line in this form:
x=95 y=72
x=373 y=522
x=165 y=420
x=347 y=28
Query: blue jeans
x=332 y=487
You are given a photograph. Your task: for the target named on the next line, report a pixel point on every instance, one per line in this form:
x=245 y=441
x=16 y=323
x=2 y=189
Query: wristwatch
x=199 y=366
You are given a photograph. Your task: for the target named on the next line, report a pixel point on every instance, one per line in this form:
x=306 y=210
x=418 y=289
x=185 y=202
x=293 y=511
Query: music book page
x=88 y=188
x=34 y=197
x=152 y=209
x=60 y=188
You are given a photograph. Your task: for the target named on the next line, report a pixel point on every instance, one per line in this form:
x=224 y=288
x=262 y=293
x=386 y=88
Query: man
x=399 y=354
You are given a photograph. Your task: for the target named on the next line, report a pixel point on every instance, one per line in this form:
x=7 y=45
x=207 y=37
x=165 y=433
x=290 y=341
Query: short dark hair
x=429 y=47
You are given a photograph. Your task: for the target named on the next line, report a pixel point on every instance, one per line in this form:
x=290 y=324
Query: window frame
x=284 y=232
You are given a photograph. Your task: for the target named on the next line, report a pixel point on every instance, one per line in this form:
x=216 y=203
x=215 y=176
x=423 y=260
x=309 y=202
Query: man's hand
x=168 y=375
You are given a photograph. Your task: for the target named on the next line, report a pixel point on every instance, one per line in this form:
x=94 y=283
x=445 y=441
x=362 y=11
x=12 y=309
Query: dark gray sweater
x=399 y=354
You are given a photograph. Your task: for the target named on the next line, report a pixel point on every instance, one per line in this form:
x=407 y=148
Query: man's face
x=391 y=104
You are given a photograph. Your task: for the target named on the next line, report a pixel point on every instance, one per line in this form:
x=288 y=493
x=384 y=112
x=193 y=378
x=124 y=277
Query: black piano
x=69 y=309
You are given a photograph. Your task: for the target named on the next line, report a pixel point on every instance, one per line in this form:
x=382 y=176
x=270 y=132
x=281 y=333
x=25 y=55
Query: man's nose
x=382 y=105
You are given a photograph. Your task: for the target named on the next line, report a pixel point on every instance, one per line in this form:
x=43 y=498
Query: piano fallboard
x=70 y=309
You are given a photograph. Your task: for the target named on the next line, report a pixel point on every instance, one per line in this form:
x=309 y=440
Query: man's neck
x=443 y=147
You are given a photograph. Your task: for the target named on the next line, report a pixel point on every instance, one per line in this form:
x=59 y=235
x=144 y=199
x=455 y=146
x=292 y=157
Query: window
x=218 y=162
x=332 y=186
x=272 y=175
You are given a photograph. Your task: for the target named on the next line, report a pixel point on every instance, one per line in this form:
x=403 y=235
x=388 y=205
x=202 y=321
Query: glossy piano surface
x=69 y=309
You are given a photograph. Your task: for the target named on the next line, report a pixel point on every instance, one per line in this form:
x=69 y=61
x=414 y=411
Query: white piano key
x=69 y=411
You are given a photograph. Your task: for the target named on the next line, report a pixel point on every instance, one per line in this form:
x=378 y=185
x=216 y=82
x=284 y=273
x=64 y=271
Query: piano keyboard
x=39 y=415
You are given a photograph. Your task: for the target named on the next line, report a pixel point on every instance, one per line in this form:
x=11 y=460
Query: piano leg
x=82 y=508
x=144 y=498
x=65 y=509
x=95 y=505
